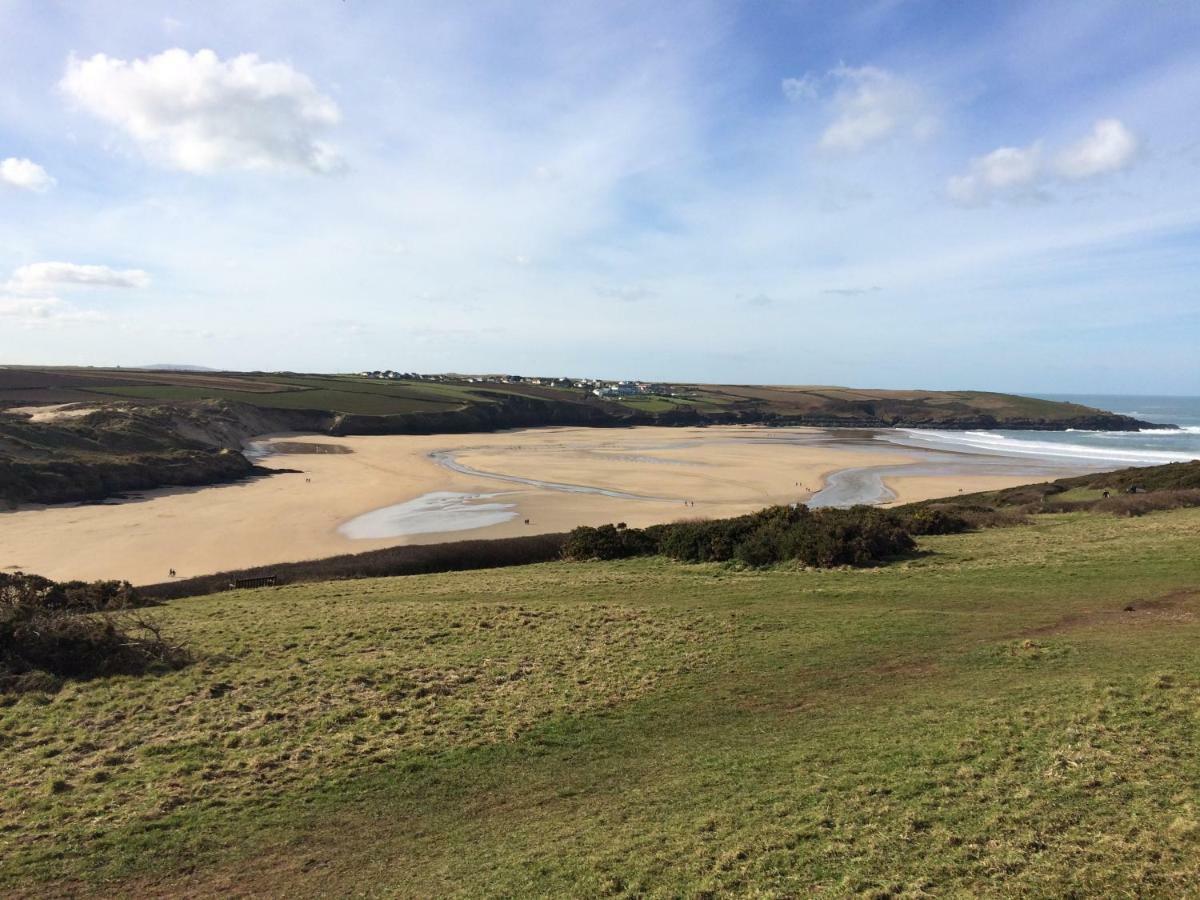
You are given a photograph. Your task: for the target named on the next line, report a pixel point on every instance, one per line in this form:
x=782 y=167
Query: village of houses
x=611 y=389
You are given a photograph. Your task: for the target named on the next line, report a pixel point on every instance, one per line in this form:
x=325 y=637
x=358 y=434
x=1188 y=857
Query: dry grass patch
x=289 y=689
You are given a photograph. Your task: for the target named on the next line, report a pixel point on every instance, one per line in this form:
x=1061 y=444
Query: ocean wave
x=991 y=442
x=1182 y=429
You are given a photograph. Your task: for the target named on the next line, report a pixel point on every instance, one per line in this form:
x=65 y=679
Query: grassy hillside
x=1012 y=713
x=1131 y=491
x=409 y=401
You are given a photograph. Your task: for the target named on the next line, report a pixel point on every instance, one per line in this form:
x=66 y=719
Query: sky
x=900 y=193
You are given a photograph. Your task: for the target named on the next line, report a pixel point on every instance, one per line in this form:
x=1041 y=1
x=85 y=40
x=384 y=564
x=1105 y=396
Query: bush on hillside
x=934 y=520
x=607 y=542
x=1140 y=504
x=860 y=536
x=50 y=632
x=74 y=596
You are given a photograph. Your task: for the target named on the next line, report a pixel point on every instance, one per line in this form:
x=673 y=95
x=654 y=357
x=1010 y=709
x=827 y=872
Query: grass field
x=357 y=395
x=983 y=719
x=366 y=403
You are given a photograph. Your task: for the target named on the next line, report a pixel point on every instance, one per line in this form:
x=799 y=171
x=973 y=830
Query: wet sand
x=639 y=476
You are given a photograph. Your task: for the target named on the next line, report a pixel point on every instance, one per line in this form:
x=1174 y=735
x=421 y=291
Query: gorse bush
x=51 y=631
x=932 y=520
x=608 y=542
x=860 y=536
x=75 y=596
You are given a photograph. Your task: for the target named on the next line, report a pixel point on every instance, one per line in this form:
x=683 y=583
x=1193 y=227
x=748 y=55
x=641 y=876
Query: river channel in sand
x=406 y=489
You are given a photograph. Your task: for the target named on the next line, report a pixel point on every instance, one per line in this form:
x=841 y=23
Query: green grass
x=656 y=403
x=983 y=719
x=338 y=393
x=356 y=401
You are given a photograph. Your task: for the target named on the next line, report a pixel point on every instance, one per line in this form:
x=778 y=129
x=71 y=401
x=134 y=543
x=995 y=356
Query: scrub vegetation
x=1125 y=492
x=1007 y=712
x=50 y=632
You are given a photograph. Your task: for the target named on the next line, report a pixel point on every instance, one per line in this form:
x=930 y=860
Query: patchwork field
x=548 y=404
x=1013 y=712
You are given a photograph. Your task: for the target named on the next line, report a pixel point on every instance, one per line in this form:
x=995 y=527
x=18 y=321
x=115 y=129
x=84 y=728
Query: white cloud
x=1109 y=147
x=1004 y=169
x=43 y=311
x=26 y=174
x=198 y=113
x=44 y=276
x=1022 y=171
x=871 y=105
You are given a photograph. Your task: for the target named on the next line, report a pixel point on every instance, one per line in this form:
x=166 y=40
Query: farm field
x=1011 y=712
x=352 y=394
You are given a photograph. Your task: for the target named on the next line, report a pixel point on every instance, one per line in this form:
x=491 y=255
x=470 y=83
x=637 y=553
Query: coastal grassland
x=658 y=403
x=985 y=718
x=360 y=402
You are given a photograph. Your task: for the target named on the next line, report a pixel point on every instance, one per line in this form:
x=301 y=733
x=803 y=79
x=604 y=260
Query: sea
x=1101 y=449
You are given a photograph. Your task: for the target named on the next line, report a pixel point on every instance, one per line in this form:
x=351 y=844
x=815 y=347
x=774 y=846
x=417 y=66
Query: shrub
x=44 y=637
x=985 y=517
x=1140 y=504
x=829 y=537
x=607 y=542
x=859 y=536
x=934 y=520
x=74 y=596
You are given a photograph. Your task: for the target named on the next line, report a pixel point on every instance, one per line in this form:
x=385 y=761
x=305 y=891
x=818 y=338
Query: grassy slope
x=982 y=719
x=361 y=396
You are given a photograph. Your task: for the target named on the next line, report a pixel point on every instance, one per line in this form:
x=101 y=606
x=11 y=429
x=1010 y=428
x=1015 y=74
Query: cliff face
x=125 y=447
x=531 y=412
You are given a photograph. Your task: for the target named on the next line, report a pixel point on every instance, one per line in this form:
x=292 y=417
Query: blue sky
x=899 y=193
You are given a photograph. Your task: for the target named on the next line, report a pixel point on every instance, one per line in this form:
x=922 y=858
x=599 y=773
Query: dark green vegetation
x=1131 y=492
x=1012 y=712
x=51 y=631
x=861 y=536
x=161 y=428
x=418 y=559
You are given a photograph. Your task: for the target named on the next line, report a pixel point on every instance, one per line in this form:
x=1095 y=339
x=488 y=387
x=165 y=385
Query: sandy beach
x=671 y=473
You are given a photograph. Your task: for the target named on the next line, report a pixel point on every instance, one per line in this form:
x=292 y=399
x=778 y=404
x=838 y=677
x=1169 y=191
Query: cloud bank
x=29 y=297
x=201 y=114
x=43 y=311
x=43 y=276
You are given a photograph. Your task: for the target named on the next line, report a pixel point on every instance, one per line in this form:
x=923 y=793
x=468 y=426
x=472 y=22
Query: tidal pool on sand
x=433 y=512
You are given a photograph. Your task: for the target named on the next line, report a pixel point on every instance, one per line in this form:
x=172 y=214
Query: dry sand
x=296 y=516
